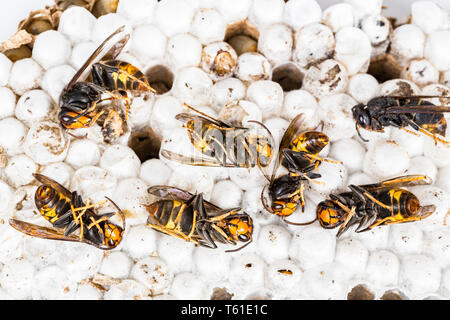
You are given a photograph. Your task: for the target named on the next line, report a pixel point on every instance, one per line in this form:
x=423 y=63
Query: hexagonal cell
x=145 y=143
x=160 y=78
x=242 y=36
x=384 y=68
x=288 y=76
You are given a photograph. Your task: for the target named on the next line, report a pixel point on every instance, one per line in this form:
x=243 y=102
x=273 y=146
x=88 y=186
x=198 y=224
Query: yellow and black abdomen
x=50 y=203
x=119 y=75
x=399 y=203
x=173 y=217
x=311 y=142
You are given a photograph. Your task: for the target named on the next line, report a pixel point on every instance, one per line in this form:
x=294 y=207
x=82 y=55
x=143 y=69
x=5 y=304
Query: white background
x=14 y=11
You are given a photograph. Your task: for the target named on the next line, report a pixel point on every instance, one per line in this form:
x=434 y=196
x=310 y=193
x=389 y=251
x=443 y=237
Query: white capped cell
x=273 y=242
x=208 y=25
x=127 y=290
x=432 y=195
x=383 y=268
x=81 y=52
x=350 y=151
x=176 y=253
x=407 y=42
x=173 y=16
x=188 y=285
x=6 y=194
x=419 y=274
x=406 y=238
x=51 y=48
x=443 y=178
x=78 y=260
x=165 y=109
x=106 y=24
x=353 y=49
x=83 y=152
x=76 y=24
x=413 y=143
x=335 y=112
x=436 y=45
x=313 y=43
x=5 y=68
x=233 y=10
x=377 y=164
x=363 y=87
x=155 y=172
x=52 y=283
x=226 y=91
x=12 y=135
x=312 y=246
x=55 y=80
x=268 y=95
x=284 y=277
x=377 y=28
x=369 y=7
x=153 y=273
x=17 y=278
x=226 y=194
x=25 y=75
x=120 y=161
x=193 y=86
x=184 y=50
x=8 y=102
x=428 y=16
x=131 y=194
x=33 y=106
x=266 y=12
x=144 y=49
x=20 y=169
x=87 y=291
x=252 y=66
x=323 y=283
x=275 y=42
x=94 y=183
x=337 y=16
x=437 y=244
x=299 y=13
x=140 y=241
x=46 y=142
x=301 y=101
x=212 y=264
x=352 y=255
x=247 y=271
x=137 y=11
x=423 y=166
x=116 y=264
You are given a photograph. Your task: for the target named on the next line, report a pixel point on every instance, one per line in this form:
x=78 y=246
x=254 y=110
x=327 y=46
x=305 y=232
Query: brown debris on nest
x=20 y=44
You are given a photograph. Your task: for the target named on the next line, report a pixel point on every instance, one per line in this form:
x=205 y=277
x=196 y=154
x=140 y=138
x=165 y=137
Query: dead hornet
x=374 y=205
x=402 y=112
x=228 y=146
x=110 y=80
x=299 y=153
x=191 y=218
x=67 y=212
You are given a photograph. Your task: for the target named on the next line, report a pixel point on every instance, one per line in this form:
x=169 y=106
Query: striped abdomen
x=400 y=201
x=119 y=75
x=174 y=216
x=51 y=204
x=311 y=142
